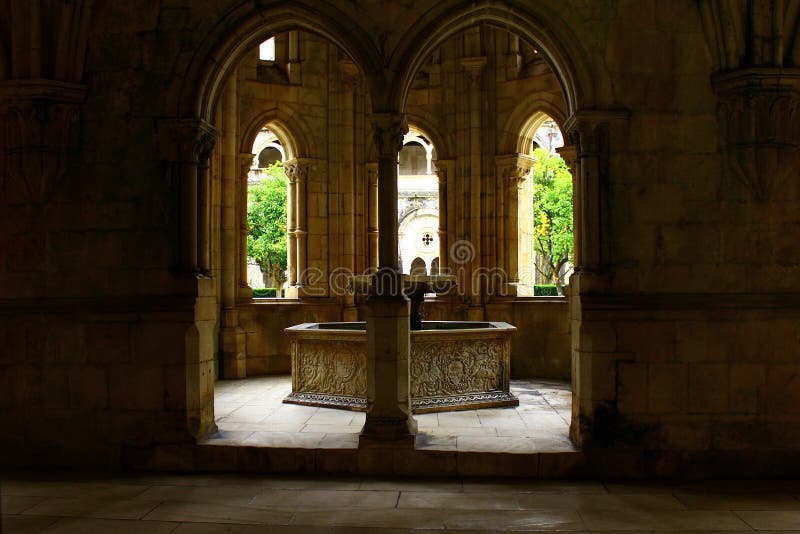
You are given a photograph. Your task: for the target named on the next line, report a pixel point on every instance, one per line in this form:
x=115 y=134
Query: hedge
x=265 y=292
x=545 y=290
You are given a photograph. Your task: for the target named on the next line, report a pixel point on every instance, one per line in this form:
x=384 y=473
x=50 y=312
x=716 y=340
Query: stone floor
x=156 y=503
x=250 y=412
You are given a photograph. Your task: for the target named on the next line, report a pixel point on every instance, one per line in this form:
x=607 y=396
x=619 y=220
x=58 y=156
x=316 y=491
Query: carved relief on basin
x=454 y=365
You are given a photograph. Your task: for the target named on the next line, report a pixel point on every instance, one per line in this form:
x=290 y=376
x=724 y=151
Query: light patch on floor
x=251 y=412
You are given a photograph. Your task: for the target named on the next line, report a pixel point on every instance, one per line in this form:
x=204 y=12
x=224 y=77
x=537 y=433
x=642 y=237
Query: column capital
x=581 y=128
x=473 y=67
x=514 y=168
x=186 y=140
x=388 y=130
x=758 y=113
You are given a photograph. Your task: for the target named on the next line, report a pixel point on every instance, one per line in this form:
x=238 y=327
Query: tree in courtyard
x=266 y=222
x=552 y=216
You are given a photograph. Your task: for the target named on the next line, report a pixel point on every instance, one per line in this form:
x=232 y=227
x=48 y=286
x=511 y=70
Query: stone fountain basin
x=455 y=365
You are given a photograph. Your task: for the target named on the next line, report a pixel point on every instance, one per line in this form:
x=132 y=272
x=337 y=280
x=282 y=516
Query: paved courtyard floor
x=183 y=504
x=251 y=412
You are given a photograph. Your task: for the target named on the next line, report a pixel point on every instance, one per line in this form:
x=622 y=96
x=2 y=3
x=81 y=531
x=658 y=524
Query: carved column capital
x=758 y=112
x=473 y=68
x=388 y=130
x=39 y=134
x=351 y=76
x=296 y=170
x=186 y=140
x=514 y=169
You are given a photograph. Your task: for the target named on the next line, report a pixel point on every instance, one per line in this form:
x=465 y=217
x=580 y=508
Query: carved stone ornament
x=39 y=133
x=388 y=130
x=759 y=117
x=189 y=140
x=449 y=369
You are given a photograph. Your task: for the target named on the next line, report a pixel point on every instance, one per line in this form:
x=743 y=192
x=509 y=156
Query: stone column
x=513 y=170
x=388 y=336
x=350 y=78
x=372 y=218
x=187 y=144
x=297 y=172
x=443 y=169
x=473 y=69
x=244 y=291
x=232 y=337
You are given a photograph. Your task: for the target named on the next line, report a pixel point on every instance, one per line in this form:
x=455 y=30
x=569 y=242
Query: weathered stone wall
x=684 y=309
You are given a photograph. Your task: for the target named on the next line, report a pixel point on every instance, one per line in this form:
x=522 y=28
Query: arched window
x=266 y=50
x=267 y=209
x=418 y=204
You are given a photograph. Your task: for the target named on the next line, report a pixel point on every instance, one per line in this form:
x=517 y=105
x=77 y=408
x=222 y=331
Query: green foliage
x=552 y=215
x=545 y=290
x=265 y=292
x=266 y=221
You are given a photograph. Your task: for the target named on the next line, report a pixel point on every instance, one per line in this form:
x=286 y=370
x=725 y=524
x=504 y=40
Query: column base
x=385 y=430
x=233 y=353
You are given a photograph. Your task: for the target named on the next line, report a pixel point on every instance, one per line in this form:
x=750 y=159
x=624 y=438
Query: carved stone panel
x=454 y=367
x=333 y=367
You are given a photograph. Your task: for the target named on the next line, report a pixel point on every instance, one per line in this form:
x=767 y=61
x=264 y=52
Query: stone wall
x=119 y=218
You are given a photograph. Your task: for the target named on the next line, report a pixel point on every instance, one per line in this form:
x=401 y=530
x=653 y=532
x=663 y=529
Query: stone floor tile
x=458 y=501
x=303 y=482
x=386 y=518
x=81 y=525
x=538 y=419
x=16 y=504
x=494 y=444
x=272 y=426
x=461 y=431
x=643 y=520
x=190 y=512
x=233 y=495
x=331 y=429
x=111 y=508
x=534 y=486
x=525 y=520
x=338 y=441
x=599 y=501
x=25 y=524
x=435 y=442
x=301 y=440
x=771 y=519
x=739 y=501
x=331 y=417
x=226 y=437
x=237 y=528
x=465 y=418
x=440 y=485
x=248 y=414
x=50 y=488
x=325 y=499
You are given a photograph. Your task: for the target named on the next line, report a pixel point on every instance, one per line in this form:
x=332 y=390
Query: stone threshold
x=369 y=460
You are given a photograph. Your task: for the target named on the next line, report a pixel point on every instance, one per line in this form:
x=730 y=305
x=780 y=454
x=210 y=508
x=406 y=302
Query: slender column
x=473 y=68
x=569 y=154
x=372 y=209
x=297 y=173
x=245 y=162
x=187 y=144
x=444 y=239
x=388 y=335
x=232 y=337
x=291 y=228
